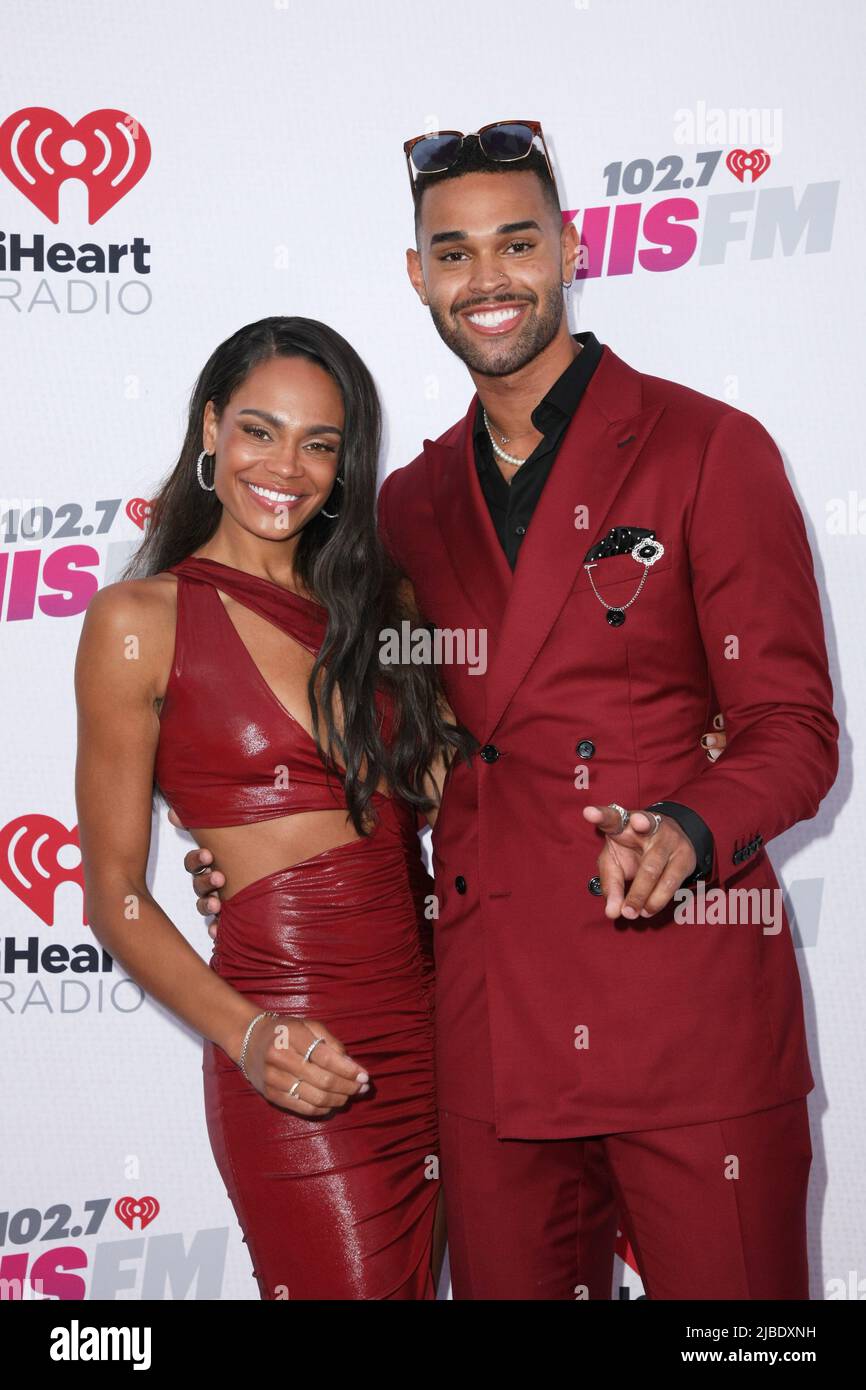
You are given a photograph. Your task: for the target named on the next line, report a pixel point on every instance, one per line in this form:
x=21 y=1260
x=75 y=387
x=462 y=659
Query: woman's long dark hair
x=341 y=562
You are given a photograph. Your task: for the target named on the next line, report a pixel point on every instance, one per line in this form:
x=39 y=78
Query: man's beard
x=532 y=339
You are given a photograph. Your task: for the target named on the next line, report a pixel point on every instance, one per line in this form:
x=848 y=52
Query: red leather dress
x=342 y=1206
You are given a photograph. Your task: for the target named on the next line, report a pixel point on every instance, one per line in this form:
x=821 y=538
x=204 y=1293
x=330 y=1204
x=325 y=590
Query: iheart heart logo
x=138 y=510
x=132 y=1209
x=741 y=162
x=30 y=864
x=35 y=157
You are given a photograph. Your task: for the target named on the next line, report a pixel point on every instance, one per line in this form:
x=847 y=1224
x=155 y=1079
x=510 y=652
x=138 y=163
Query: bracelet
x=269 y=1013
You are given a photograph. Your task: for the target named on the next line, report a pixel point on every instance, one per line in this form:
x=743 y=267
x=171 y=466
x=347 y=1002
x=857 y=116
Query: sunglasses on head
x=502 y=141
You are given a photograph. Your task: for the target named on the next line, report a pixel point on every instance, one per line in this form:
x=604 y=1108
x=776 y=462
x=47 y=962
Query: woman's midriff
x=245 y=853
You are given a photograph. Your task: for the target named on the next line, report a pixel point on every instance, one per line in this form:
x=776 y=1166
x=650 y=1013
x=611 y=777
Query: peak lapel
x=591 y=466
x=464 y=520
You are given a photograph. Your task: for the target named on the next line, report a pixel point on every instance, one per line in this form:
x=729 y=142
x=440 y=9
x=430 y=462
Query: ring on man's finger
x=623 y=815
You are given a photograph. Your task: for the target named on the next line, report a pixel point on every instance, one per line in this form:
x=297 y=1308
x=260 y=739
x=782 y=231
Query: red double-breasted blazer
x=551 y=1019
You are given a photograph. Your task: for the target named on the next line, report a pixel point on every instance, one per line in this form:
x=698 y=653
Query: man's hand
x=207 y=882
x=654 y=863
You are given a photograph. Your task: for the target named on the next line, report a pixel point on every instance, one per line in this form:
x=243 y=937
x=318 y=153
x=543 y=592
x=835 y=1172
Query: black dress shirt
x=511 y=506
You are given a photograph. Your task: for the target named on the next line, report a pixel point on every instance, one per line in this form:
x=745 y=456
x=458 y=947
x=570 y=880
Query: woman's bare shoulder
x=151 y=599
x=139 y=611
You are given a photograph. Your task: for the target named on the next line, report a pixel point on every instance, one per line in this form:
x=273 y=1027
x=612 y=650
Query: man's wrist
x=697 y=831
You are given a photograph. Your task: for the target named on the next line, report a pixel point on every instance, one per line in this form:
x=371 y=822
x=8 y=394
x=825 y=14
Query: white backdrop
x=277 y=185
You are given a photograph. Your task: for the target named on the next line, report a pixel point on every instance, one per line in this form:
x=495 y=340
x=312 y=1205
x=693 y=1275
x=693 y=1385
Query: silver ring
x=623 y=815
x=203 y=869
x=658 y=820
x=294 y=1090
x=309 y=1052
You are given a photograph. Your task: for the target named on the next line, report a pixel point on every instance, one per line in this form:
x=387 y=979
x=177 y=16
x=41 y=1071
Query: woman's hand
x=715 y=739
x=274 y=1061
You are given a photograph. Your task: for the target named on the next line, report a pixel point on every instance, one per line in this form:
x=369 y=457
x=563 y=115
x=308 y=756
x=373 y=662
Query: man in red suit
x=635 y=563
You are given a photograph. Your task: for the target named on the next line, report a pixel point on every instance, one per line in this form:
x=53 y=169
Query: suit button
x=460 y=883
x=586 y=748
x=594 y=886
x=490 y=752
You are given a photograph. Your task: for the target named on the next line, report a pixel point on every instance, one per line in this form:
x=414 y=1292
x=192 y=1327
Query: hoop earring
x=332 y=516
x=201 y=481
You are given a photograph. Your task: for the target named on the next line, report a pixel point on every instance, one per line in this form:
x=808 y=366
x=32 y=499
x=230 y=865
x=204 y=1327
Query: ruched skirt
x=340 y=1206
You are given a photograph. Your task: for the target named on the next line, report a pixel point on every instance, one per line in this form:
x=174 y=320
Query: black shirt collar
x=566 y=392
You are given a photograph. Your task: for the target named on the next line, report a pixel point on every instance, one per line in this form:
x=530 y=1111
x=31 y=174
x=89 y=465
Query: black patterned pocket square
x=620 y=540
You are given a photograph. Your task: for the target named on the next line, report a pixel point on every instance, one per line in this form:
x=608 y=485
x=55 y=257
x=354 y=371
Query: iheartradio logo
x=140 y=1209
x=742 y=162
x=138 y=510
x=37 y=854
x=108 y=150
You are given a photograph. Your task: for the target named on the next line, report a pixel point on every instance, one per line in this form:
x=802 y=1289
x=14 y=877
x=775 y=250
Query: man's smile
x=495 y=319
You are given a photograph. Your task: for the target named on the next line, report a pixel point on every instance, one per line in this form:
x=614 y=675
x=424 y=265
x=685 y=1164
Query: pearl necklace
x=508 y=458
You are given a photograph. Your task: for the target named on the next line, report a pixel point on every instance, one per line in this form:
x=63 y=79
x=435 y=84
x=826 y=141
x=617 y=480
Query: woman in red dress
x=236 y=668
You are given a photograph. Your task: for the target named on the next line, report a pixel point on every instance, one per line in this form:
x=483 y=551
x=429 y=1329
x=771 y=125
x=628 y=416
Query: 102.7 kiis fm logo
x=108 y=151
